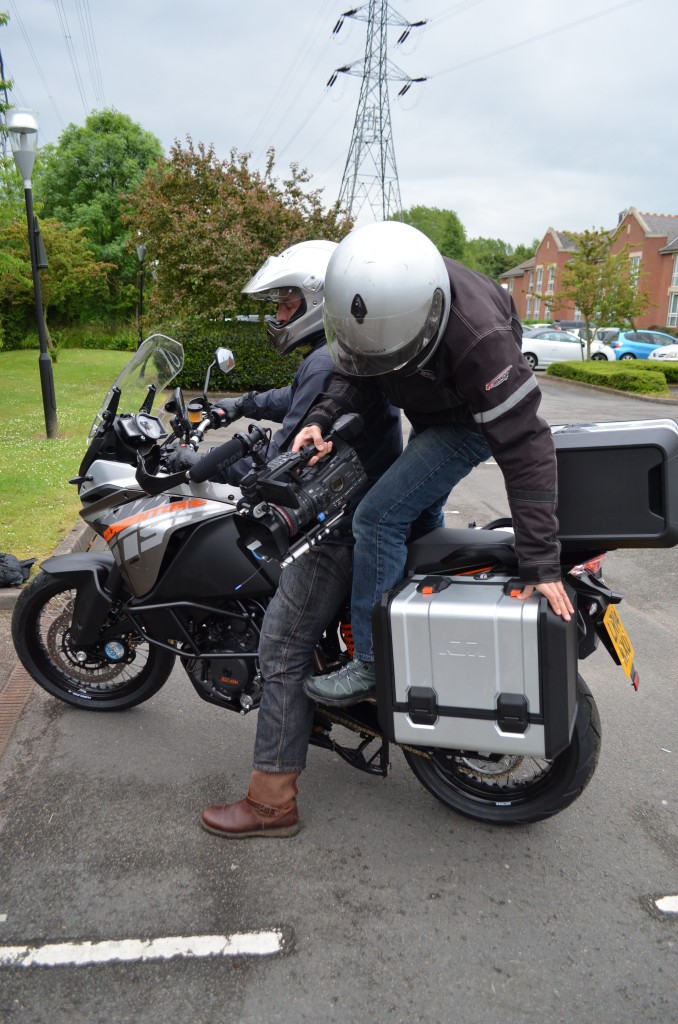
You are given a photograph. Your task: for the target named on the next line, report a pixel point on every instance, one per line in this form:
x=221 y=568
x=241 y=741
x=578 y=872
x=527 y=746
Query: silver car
x=541 y=348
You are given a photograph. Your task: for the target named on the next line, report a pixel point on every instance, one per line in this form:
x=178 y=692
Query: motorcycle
x=481 y=693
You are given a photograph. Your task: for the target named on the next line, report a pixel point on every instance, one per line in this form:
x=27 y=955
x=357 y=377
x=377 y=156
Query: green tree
x=600 y=284
x=5 y=84
x=490 y=256
x=208 y=224
x=73 y=277
x=443 y=227
x=80 y=181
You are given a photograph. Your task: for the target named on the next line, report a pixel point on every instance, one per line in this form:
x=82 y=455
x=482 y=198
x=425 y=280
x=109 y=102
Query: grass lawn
x=37 y=504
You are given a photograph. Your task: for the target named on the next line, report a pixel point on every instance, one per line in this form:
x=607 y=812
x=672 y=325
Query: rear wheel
x=597 y=357
x=121 y=672
x=509 y=789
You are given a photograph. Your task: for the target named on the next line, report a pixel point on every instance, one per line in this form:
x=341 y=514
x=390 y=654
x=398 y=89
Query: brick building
x=651 y=240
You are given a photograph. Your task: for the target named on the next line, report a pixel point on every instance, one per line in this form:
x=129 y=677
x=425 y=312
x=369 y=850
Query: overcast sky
x=535 y=114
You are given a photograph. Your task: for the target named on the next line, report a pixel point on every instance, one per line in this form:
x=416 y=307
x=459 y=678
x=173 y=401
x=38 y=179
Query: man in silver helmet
x=293 y=283
x=444 y=344
x=313 y=589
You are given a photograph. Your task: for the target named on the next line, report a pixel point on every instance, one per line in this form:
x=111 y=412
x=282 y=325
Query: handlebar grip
x=223 y=456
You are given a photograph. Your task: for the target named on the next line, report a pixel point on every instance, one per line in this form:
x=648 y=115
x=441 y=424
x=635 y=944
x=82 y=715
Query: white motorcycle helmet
x=387 y=299
x=299 y=270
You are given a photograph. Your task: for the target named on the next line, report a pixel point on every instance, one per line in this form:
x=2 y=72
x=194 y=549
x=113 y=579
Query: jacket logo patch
x=499 y=379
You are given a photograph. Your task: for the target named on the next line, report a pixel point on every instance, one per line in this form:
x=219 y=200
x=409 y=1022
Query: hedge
x=639 y=376
x=257 y=366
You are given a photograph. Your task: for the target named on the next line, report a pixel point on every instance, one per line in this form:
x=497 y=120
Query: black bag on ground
x=13 y=572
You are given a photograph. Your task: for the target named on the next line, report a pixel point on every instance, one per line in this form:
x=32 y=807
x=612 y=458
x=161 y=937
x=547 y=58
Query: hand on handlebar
x=228 y=410
x=312 y=435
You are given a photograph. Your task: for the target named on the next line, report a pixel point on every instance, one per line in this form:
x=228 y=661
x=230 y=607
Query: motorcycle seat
x=456 y=550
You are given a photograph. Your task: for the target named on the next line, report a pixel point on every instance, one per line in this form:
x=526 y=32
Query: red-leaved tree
x=209 y=224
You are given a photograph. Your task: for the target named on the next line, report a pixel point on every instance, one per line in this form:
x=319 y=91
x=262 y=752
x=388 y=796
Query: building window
x=634 y=260
x=530 y=282
x=528 y=308
x=674 y=279
x=540 y=279
x=550 y=284
x=672 y=318
x=510 y=286
x=547 y=311
x=536 y=308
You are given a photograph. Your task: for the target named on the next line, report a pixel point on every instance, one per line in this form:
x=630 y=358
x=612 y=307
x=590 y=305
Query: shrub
x=257 y=366
x=629 y=376
x=15 y=323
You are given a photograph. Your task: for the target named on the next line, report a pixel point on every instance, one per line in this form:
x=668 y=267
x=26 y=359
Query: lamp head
x=22 y=127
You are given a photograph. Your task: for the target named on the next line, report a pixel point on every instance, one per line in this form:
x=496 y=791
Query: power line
x=89 y=42
x=534 y=39
x=299 y=61
x=63 y=20
x=15 y=90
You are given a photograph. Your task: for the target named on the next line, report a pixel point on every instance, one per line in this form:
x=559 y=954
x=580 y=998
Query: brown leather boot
x=269 y=809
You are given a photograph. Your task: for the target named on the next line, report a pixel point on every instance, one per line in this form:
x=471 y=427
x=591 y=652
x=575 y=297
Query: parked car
x=639 y=344
x=606 y=334
x=665 y=352
x=540 y=348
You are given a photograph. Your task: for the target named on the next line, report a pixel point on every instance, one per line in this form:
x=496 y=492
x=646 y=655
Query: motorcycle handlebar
x=223 y=456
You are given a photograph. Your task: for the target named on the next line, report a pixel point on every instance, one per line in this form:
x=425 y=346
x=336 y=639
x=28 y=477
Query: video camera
x=284 y=497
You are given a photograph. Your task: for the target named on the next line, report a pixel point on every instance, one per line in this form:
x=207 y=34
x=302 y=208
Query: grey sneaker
x=354 y=682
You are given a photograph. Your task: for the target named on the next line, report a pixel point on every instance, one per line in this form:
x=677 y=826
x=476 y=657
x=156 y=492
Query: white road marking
x=667 y=904
x=77 y=954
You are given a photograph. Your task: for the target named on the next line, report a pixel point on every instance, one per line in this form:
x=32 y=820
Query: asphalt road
x=389 y=907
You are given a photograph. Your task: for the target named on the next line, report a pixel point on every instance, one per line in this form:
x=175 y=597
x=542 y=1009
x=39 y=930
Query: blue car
x=637 y=344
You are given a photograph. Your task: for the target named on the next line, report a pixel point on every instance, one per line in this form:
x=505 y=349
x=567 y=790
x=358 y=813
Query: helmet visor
x=382 y=344
x=279 y=296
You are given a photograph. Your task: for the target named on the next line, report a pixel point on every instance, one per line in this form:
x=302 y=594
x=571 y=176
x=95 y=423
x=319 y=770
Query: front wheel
x=627 y=355
x=511 y=789
x=121 y=673
x=531 y=360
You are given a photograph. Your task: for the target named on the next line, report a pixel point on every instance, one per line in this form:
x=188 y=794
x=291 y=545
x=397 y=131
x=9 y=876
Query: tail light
x=594 y=566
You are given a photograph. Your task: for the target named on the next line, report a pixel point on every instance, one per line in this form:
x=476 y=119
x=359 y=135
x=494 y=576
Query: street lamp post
x=141 y=255
x=22 y=126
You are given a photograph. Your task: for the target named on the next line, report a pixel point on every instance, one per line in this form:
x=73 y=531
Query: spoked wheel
x=121 y=672
x=514 y=790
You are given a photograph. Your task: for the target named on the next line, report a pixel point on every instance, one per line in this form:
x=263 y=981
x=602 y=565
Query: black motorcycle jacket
x=477 y=376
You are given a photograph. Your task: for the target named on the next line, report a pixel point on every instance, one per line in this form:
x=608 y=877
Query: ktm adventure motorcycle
x=481 y=693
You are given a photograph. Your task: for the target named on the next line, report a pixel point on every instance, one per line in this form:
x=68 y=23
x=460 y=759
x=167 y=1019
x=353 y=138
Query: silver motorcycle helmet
x=299 y=271
x=387 y=299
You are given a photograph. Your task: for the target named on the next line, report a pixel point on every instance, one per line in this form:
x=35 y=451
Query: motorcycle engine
x=229 y=677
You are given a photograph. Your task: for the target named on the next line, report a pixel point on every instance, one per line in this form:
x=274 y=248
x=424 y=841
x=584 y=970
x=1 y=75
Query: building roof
x=671 y=247
x=661 y=225
x=521 y=269
x=564 y=239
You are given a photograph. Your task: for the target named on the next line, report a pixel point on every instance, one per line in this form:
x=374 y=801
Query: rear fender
x=96 y=580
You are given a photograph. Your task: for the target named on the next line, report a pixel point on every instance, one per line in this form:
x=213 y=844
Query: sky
x=534 y=114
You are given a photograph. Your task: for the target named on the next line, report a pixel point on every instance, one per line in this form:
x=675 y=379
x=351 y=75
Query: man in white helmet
x=313 y=589
x=293 y=283
x=444 y=344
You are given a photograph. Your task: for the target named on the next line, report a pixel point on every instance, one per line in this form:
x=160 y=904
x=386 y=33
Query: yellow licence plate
x=620 y=639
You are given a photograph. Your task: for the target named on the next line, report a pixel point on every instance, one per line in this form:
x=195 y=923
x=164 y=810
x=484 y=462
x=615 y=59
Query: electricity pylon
x=370 y=175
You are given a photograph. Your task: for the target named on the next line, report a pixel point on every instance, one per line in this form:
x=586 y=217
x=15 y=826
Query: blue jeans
x=309 y=596
x=409 y=494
